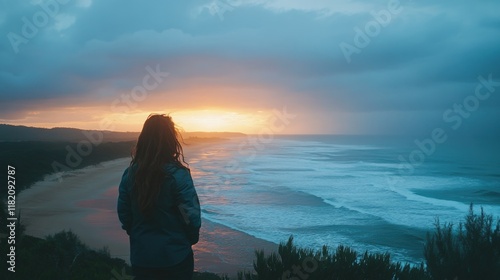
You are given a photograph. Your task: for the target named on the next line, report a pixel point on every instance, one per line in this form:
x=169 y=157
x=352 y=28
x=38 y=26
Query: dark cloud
x=426 y=58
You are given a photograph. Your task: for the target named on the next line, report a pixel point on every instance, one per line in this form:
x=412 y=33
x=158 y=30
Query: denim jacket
x=165 y=239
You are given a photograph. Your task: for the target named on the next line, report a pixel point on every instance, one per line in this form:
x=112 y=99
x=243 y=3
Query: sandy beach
x=85 y=203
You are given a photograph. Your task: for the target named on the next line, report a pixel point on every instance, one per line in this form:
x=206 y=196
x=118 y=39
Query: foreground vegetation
x=470 y=251
x=344 y=263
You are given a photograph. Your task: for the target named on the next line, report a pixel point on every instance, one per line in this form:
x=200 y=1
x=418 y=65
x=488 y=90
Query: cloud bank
x=405 y=65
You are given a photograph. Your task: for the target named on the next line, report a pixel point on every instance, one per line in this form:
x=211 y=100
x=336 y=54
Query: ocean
x=379 y=194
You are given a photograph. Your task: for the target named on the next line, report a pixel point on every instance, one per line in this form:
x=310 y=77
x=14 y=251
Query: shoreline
x=85 y=203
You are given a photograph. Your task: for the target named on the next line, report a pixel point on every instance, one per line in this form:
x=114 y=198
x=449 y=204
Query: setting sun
x=205 y=120
x=217 y=120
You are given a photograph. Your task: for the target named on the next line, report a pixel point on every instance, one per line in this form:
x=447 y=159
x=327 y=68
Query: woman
x=158 y=205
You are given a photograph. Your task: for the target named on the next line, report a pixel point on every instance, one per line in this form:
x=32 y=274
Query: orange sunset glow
x=206 y=108
x=209 y=120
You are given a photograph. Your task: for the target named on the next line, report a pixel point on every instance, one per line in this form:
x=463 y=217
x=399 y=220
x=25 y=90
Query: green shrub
x=291 y=262
x=472 y=252
x=208 y=276
x=61 y=256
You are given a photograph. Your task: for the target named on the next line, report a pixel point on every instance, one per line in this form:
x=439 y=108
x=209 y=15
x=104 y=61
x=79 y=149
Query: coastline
x=85 y=203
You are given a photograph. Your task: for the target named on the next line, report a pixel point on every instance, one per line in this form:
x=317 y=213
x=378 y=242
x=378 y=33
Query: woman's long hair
x=157 y=145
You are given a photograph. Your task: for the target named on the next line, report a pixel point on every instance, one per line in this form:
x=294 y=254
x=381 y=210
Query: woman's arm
x=124 y=204
x=188 y=203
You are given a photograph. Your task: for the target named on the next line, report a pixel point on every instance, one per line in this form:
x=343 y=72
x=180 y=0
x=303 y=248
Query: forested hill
x=11 y=133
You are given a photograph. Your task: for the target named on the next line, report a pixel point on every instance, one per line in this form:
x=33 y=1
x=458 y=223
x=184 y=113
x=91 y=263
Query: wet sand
x=85 y=203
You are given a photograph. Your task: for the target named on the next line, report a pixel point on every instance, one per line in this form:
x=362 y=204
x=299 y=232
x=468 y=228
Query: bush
x=472 y=252
x=61 y=256
x=208 y=276
x=295 y=263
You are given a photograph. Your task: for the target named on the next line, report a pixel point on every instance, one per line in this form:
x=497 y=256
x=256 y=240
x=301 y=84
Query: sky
x=316 y=66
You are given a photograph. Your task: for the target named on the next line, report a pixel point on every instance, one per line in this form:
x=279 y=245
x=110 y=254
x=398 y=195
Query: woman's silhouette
x=158 y=205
